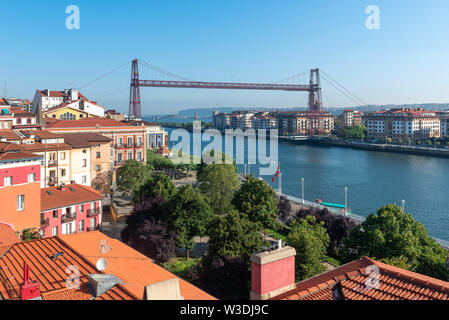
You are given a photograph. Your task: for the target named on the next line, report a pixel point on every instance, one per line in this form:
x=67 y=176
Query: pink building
x=70 y=209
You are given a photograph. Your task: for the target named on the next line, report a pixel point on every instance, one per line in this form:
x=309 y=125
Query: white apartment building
x=71 y=98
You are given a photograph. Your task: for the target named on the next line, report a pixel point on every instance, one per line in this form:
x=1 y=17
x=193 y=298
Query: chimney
x=29 y=289
x=62 y=187
x=163 y=290
x=272 y=272
x=48 y=92
x=100 y=283
x=74 y=94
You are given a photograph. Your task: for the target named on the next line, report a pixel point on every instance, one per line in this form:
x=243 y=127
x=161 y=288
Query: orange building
x=20 y=189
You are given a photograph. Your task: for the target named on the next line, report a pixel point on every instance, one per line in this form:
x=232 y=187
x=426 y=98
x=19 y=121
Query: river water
x=373 y=179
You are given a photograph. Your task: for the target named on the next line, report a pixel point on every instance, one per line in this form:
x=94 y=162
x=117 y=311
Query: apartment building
x=444 y=123
x=350 y=118
x=156 y=136
x=264 y=122
x=56 y=162
x=20 y=175
x=71 y=208
x=305 y=123
x=403 y=124
x=128 y=141
x=100 y=158
x=68 y=104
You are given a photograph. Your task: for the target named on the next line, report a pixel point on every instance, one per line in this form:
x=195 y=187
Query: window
x=81 y=226
x=139 y=141
x=129 y=156
x=67 y=116
x=84 y=163
x=98 y=155
x=83 y=179
x=130 y=141
x=54 y=231
x=98 y=167
x=62 y=155
x=62 y=172
x=7 y=181
x=31 y=177
x=81 y=207
x=84 y=151
x=93 y=222
x=21 y=202
x=139 y=156
x=19 y=121
x=119 y=141
x=55 y=214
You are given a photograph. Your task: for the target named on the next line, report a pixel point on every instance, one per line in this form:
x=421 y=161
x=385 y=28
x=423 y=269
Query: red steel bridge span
x=313 y=88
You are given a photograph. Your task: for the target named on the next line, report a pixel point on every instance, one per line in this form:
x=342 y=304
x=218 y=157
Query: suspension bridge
x=313 y=87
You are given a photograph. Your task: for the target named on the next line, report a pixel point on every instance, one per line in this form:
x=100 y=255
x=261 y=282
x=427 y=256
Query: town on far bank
x=93 y=195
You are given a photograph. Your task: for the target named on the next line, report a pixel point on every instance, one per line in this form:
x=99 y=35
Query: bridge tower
x=134 y=94
x=315 y=98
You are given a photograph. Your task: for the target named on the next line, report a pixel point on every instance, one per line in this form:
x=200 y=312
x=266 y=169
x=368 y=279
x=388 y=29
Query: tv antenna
x=102 y=263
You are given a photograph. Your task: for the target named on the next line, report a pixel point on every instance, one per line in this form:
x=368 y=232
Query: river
x=373 y=179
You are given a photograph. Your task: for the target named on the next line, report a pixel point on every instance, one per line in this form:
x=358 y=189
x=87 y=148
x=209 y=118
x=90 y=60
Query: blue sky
x=405 y=61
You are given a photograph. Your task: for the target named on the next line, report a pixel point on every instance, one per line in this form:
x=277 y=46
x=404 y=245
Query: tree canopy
x=310 y=240
x=397 y=236
x=357 y=132
x=257 y=200
x=131 y=176
x=233 y=235
x=159 y=183
x=147 y=234
x=188 y=214
x=219 y=183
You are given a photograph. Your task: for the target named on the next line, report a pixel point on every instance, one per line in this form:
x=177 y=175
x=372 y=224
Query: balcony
x=52 y=163
x=119 y=145
x=65 y=218
x=93 y=213
x=129 y=145
x=45 y=223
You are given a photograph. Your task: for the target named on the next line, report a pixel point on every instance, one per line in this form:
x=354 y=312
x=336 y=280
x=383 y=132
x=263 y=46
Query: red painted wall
x=19 y=174
x=272 y=276
x=56 y=222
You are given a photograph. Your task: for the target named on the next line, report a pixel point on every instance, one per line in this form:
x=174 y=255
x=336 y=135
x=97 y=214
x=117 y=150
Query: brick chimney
x=272 y=272
x=29 y=289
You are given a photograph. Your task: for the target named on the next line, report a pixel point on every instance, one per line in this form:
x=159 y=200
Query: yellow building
x=65 y=112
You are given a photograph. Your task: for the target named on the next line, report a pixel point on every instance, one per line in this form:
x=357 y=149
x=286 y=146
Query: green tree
x=188 y=214
x=257 y=200
x=310 y=240
x=131 y=176
x=395 y=235
x=233 y=235
x=159 y=183
x=218 y=182
x=29 y=234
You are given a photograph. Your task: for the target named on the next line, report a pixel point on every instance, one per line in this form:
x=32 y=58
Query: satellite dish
x=101 y=264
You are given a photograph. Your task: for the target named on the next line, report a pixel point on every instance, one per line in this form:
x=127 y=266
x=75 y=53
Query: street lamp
x=403 y=205
x=302 y=190
x=346 y=201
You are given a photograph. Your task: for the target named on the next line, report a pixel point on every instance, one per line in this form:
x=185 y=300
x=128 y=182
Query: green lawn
x=179 y=266
x=332 y=261
x=275 y=234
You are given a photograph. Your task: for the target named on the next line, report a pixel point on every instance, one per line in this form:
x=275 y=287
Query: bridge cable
x=106 y=74
x=339 y=84
x=155 y=68
x=344 y=93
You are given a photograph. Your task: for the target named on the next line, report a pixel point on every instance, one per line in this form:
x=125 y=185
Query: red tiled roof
x=7 y=156
x=84 y=139
x=54 y=197
x=86 y=123
x=7 y=235
x=9 y=134
x=394 y=284
x=3 y=102
x=43 y=134
x=132 y=267
x=50 y=273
